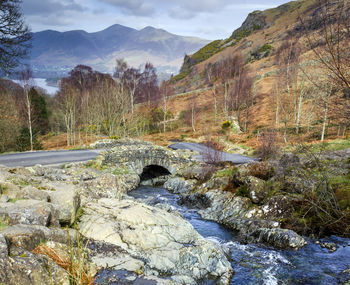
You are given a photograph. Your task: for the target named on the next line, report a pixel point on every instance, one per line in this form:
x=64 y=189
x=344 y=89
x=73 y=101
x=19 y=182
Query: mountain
x=269 y=27
x=57 y=52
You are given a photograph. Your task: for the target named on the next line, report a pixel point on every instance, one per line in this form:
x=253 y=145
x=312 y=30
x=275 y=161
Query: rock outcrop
x=157 y=242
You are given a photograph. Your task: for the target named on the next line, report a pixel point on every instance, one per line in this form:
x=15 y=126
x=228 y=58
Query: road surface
x=66 y=156
x=47 y=157
x=204 y=151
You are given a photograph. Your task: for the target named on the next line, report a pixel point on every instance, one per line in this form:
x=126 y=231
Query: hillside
x=58 y=52
x=260 y=43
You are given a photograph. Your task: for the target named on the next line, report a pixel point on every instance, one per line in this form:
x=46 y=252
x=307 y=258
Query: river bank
x=150 y=235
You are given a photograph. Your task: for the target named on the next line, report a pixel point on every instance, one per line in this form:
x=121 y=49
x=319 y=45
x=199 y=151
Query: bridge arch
x=153 y=171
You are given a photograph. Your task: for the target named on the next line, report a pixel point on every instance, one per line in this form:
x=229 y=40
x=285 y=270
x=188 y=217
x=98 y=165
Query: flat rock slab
x=164 y=241
x=29 y=212
x=30 y=236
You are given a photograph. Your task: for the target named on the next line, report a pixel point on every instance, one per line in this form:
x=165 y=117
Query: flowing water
x=259 y=264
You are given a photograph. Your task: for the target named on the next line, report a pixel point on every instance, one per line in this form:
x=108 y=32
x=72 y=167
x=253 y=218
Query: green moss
x=207 y=51
x=179 y=76
x=341 y=188
x=14 y=200
x=242 y=191
x=242 y=33
x=331 y=146
x=265 y=48
x=273 y=188
x=227 y=172
x=19 y=181
x=3 y=225
x=121 y=171
x=95 y=165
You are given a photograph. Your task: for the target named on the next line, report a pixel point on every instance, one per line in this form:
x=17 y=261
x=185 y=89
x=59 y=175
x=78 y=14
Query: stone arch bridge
x=139 y=155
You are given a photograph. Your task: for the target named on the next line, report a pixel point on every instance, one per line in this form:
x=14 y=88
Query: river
x=259 y=264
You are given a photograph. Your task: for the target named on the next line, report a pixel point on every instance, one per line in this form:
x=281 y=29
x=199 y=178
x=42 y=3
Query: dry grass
x=73 y=259
x=60 y=142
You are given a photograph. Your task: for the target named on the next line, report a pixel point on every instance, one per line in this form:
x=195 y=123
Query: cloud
x=179 y=13
x=133 y=7
x=185 y=9
x=51 y=13
x=50 y=7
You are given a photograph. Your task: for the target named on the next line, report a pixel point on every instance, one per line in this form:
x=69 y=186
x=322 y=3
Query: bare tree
x=149 y=84
x=191 y=112
x=67 y=99
x=287 y=111
x=25 y=78
x=241 y=95
x=287 y=57
x=129 y=79
x=330 y=40
x=165 y=91
x=14 y=35
x=213 y=152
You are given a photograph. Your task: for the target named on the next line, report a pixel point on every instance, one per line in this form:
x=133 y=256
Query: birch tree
x=25 y=78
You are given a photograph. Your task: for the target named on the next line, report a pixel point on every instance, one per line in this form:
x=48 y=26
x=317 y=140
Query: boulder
x=280 y=238
x=111 y=186
x=23 y=236
x=257 y=189
x=179 y=185
x=28 y=268
x=4 y=251
x=216 y=183
x=9 y=189
x=191 y=172
x=30 y=212
x=30 y=236
x=280 y=206
x=165 y=242
x=238 y=213
x=240 y=175
x=66 y=201
x=30 y=192
x=224 y=206
x=196 y=200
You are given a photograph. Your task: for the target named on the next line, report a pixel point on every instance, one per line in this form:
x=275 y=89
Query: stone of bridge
x=136 y=155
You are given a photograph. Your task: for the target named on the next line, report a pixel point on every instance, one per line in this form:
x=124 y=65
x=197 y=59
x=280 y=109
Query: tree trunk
x=300 y=105
x=29 y=113
x=277 y=112
x=215 y=104
x=193 y=118
x=164 y=115
x=225 y=99
x=285 y=132
x=325 y=114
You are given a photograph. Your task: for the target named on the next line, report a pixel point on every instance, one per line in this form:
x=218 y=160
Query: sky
x=209 y=19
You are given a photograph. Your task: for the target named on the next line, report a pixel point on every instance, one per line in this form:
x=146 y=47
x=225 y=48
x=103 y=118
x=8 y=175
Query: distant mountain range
x=56 y=53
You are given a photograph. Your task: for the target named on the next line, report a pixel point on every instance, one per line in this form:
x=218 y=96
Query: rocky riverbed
x=49 y=214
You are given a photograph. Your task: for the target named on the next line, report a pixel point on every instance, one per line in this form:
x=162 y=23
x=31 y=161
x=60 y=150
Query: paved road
x=205 y=151
x=67 y=156
x=47 y=157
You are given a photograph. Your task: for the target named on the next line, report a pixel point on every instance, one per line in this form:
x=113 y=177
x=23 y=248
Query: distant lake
x=41 y=82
